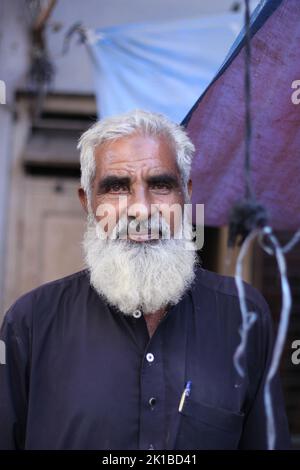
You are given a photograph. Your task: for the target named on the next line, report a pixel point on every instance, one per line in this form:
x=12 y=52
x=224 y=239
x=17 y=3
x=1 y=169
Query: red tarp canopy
x=217 y=123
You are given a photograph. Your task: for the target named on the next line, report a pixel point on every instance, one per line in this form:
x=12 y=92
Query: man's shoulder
x=225 y=287
x=71 y=280
x=44 y=296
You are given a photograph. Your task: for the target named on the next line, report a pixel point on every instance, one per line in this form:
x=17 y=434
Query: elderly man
x=136 y=351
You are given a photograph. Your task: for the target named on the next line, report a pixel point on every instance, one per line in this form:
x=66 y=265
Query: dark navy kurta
x=81 y=375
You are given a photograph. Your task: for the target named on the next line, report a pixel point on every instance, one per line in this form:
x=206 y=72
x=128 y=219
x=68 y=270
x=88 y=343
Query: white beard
x=133 y=276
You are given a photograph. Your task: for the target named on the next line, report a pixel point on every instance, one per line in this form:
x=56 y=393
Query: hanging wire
x=281 y=335
x=246 y=222
x=292 y=242
x=248 y=135
x=247 y=214
x=76 y=28
x=286 y=248
x=248 y=318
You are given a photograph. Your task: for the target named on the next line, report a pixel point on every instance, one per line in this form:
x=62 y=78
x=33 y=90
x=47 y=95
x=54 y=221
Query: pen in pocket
x=186 y=393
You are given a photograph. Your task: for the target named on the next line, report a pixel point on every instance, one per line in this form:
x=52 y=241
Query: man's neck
x=153 y=319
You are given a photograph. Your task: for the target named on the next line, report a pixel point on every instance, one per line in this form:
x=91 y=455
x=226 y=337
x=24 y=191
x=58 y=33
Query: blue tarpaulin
x=161 y=66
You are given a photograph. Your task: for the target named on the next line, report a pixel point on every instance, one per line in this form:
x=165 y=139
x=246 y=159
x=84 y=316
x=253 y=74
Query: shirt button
x=137 y=314
x=150 y=357
x=152 y=402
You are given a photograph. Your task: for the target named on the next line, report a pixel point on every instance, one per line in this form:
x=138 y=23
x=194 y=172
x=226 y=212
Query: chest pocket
x=206 y=427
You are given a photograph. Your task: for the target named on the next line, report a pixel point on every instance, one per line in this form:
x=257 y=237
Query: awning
x=217 y=123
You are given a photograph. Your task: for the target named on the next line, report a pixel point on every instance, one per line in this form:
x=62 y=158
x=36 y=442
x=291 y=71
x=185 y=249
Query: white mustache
x=157 y=227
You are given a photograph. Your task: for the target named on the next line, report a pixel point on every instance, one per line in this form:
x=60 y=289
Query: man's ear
x=83 y=199
x=189 y=186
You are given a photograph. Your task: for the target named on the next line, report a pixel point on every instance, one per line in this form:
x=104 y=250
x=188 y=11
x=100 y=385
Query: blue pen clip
x=186 y=393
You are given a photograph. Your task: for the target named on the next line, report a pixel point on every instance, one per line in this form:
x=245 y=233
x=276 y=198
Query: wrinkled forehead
x=136 y=151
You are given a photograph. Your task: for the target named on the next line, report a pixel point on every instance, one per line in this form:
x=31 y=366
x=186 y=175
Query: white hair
x=148 y=123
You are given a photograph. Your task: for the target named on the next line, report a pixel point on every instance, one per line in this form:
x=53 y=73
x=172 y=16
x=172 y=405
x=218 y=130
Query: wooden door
x=45 y=238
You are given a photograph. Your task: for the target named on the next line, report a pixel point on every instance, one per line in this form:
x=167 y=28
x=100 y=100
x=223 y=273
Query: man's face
x=130 y=272
x=136 y=170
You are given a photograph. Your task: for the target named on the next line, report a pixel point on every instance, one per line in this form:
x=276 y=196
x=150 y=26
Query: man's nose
x=139 y=204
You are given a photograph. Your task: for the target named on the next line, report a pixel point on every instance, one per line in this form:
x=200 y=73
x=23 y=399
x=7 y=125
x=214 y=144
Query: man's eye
x=117 y=188
x=161 y=187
